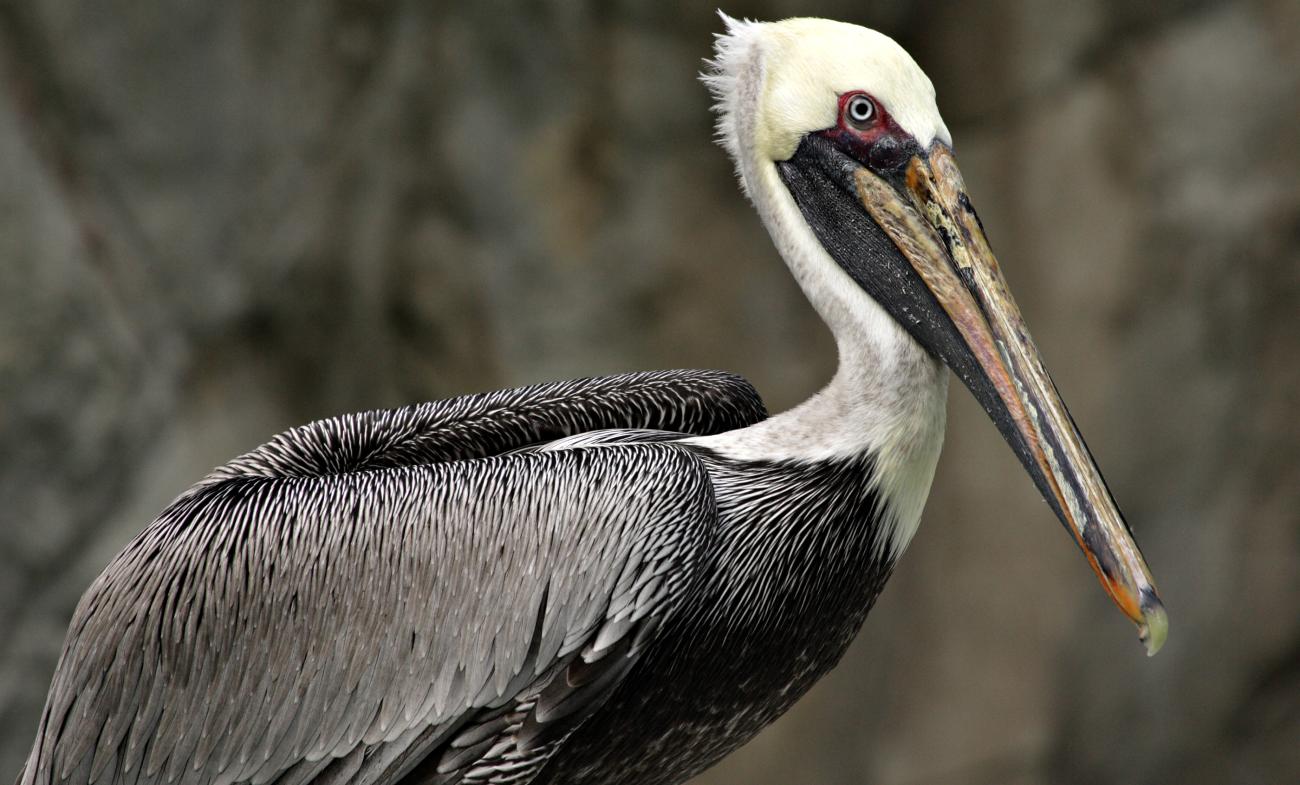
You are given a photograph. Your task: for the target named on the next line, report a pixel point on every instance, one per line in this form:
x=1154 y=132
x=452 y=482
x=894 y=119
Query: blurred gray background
x=219 y=220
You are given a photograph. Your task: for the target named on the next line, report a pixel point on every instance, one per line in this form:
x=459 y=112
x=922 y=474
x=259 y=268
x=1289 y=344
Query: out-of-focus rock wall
x=218 y=220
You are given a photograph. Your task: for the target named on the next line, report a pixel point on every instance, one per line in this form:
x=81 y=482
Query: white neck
x=887 y=399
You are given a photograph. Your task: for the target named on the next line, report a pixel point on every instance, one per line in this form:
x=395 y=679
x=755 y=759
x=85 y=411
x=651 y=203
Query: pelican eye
x=859 y=111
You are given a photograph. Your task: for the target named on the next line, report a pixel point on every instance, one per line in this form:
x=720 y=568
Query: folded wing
x=355 y=602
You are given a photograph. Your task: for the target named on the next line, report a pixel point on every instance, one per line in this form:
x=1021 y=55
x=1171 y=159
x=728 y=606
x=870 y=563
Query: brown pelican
x=610 y=580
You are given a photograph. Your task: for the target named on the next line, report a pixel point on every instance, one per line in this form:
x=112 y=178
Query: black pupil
x=860 y=109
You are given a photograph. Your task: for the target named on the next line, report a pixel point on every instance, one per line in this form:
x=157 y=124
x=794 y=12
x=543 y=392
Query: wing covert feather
x=699 y=402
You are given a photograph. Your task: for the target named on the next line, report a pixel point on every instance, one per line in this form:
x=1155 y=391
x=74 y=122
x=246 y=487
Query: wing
x=361 y=625
x=350 y=603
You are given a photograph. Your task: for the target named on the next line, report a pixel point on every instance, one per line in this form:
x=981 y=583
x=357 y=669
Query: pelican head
x=838 y=141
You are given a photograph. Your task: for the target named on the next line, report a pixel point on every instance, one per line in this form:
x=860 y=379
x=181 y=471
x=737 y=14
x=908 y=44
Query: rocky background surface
x=219 y=220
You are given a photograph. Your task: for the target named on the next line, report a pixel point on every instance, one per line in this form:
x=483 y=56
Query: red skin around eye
x=882 y=145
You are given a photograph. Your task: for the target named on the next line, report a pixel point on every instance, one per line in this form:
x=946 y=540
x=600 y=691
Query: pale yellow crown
x=774 y=82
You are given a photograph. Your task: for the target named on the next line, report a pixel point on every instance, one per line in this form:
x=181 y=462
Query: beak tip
x=1155 y=623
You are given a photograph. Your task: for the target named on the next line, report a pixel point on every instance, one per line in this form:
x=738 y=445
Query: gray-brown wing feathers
x=271 y=622
x=336 y=604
